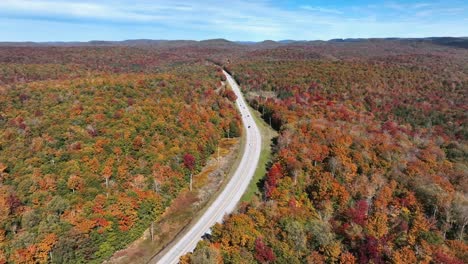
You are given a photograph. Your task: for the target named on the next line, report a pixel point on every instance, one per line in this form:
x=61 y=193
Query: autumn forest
x=370 y=164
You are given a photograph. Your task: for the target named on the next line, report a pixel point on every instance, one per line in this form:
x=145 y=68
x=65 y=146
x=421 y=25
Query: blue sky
x=254 y=20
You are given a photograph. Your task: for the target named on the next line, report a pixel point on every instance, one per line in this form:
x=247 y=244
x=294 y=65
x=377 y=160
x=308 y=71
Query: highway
x=227 y=200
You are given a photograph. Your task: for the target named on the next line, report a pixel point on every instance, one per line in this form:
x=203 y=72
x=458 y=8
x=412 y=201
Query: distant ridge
x=460 y=42
x=219 y=40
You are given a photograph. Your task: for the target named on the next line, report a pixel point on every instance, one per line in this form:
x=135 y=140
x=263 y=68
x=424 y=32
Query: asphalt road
x=230 y=196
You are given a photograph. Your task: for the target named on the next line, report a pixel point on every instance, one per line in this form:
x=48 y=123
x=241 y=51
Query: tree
x=292 y=164
x=44 y=248
x=440 y=256
x=206 y=254
x=460 y=209
x=3 y=167
x=358 y=214
x=230 y=95
x=334 y=165
x=404 y=255
x=234 y=130
x=161 y=174
x=317 y=152
x=322 y=233
x=315 y=258
x=263 y=253
x=30 y=218
x=347 y=258
x=274 y=174
x=58 y=205
x=3 y=258
x=107 y=171
x=296 y=235
x=377 y=225
x=138 y=142
x=75 y=183
x=370 y=251
x=189 y=163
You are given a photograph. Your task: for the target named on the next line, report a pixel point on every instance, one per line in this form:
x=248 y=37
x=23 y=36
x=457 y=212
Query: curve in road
x=232 y=193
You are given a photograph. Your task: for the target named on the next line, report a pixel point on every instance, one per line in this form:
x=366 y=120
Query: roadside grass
x=268 y=134
x=265 y=156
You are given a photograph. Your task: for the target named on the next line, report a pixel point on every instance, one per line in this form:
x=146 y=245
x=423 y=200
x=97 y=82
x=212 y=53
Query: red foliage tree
x=275 y=172
x=263 y=253
x=230 y=95
x=358 y=214
x=442 y=257
x=189 y=161
x=370 y=251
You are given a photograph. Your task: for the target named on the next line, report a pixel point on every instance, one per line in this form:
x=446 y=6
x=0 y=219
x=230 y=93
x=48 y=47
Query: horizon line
x=234 y=41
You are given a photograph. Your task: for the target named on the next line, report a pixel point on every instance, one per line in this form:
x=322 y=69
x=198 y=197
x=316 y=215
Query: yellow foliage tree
x=377 y=225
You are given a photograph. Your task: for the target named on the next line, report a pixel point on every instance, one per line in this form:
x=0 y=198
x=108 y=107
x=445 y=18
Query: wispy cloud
x=423 y=9
x=424 y=13
x=321 y=9
x=407 y=6
x=74 y=10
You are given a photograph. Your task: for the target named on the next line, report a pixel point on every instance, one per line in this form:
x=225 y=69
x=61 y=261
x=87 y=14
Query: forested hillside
x=371 y=162
x=370 y=165
x=96 y=142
